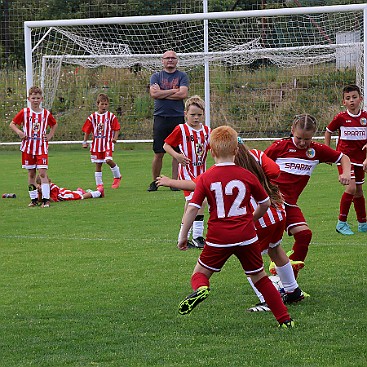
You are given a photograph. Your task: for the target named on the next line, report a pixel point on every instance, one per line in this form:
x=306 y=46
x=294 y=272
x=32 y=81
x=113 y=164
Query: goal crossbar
x=196 y=16
x=103 y=50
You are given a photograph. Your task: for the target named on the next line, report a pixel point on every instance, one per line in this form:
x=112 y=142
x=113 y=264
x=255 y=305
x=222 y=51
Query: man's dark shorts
x=162 y=127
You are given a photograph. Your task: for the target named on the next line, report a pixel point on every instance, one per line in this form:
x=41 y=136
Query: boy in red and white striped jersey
x=105 y=128
x=192 y=141
x=352 y=128
x=35 y=121
x=62 y=194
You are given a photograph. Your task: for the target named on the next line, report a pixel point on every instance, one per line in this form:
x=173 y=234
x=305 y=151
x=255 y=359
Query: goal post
x=286 y=38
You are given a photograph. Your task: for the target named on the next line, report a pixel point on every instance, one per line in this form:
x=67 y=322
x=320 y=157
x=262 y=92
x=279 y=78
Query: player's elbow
x=166 y=147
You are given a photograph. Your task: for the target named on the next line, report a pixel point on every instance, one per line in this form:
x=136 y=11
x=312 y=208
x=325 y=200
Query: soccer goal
x=222 y=52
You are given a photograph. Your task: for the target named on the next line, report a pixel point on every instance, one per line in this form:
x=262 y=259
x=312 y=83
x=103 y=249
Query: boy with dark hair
x=351 y=125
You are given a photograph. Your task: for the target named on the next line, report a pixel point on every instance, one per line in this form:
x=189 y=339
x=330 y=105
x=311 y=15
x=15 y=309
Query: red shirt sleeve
x=115 y=125
x=175 y=138
x=19 y=118
x=271 y=169
x=87 y=127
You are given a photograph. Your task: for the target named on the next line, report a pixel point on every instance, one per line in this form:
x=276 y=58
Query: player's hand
x=85 y=144
x=182 y=244
x=163 y=181
x=183 y=160
x=49 y=137
x=344 y=179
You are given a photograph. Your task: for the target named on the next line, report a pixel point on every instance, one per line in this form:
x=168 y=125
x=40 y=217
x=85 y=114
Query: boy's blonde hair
x=223 y=141
x=305 y=122
x=35 y=90
x=195 y=101
x=102 y=98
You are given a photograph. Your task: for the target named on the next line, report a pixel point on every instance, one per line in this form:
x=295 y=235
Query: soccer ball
x=277 y=283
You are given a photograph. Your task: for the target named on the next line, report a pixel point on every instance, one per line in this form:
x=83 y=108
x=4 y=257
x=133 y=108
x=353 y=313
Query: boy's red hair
x=223 y=141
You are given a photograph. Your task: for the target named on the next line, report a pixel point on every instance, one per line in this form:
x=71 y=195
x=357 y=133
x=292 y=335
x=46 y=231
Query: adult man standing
x=169 y=88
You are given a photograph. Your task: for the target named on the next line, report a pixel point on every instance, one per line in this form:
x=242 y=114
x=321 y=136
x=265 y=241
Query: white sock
x=95 y=194
x=33 y=194
x=198 y=229
x=287 y=278
x=98 y=177
x=179 y=233
x=259 y=295
x=116 y=171
x=45 y=187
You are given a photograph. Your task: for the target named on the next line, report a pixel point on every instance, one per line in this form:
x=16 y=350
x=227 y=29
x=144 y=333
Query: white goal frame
x=205 y=17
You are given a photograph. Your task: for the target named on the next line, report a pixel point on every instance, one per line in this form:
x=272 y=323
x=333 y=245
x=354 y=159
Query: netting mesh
x=248 y=59
x=286 y=41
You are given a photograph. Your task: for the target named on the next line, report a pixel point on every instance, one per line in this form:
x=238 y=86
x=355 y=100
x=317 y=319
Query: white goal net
x=285 y=38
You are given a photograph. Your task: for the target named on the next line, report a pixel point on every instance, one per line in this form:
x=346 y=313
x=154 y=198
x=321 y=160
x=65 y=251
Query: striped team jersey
x=60 y=194
x=352 y=131
x=34 y=127
x=194 y=144
x=296 y=165
x=102 y=126
x=271 y=169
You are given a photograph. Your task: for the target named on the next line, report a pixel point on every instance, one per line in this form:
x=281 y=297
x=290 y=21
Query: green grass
x=98 y=282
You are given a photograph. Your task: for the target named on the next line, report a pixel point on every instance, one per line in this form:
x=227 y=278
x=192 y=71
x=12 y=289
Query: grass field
x=98 y=282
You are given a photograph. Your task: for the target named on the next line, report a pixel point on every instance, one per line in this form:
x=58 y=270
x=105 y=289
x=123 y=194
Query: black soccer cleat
x=153 y=186
x=294 y=297
x=198 y=242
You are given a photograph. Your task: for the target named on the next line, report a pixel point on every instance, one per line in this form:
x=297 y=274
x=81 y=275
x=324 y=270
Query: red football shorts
x=294 y=217
x=271 y=236
x=213 y=258
x=356 y=173
x=30 y=161
x=100 y=157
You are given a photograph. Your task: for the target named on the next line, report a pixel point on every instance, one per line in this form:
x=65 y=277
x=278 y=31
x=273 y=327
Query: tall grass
x=258 y=102
x=97 y=282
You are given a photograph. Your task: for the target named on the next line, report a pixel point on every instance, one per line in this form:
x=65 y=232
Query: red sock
x=345 y=203
x=198 y=280
x=360 y=207
x=273 y=299
x=300 y=247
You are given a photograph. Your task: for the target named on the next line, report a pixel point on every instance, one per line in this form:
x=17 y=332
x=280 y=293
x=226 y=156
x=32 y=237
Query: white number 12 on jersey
x=236 y=209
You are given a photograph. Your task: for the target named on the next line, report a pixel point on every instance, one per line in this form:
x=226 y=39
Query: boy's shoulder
x=341 y=114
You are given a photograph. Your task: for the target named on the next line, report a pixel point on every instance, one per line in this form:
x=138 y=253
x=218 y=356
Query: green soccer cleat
x=191 y=301
x=288 y=324
x=343 y=228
